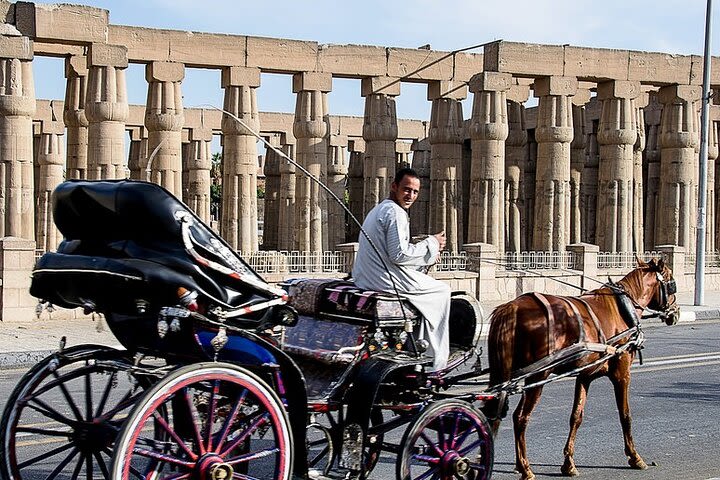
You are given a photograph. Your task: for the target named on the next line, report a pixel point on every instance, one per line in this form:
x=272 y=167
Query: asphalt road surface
x=675 y=406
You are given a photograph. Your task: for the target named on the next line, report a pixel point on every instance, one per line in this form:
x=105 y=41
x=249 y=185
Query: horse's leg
x=620 y=378
x=582 y=384
x=521 y=417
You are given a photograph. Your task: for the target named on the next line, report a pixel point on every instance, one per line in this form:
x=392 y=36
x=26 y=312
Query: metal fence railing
x=622 y=260
x=712 y=260
x=264 y=262
x=452 y=262
x=536 y=261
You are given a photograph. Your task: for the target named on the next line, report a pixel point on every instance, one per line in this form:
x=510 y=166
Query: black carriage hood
x=137 y=219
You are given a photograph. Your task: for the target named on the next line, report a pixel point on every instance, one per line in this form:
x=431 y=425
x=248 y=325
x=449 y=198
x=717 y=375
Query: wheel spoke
x=262 y=420
x=231 y=419
x=88 y=397
x=454 y=433
x=42 y=431
x=474 y=444
x=441 y=432
x=240 y=476
x=248 y=457
x=211 y=414
x=192 y=415
x=45 y=409
x=89 y=467
x=78 y=467
x=163 y=423
x=106 y=394
x=427 y=459
x=429 y=472
x=319 y=456
x=430 y=443
x=478 y=466
x=68 y=398
x=63 y=464
x=458 y=441
x=127 y=401
x=45 y=455
x=101 y=465
x=163 y=457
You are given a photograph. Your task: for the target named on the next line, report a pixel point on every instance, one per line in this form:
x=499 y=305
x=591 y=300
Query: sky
x=662 y=25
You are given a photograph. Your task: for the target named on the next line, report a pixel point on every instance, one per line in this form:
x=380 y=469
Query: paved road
x=675 y=407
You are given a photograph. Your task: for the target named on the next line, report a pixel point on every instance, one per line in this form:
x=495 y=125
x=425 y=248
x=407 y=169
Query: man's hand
x=440 y=237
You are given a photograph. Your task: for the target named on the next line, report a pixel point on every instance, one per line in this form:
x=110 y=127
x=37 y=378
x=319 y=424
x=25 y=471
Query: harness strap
x=578 y=318
x=596 y=322
x=550 y=321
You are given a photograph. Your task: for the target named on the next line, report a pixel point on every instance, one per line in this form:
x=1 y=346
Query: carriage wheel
x=206 y=421
x=450 y=439
x=320 y=448
x=62 y=418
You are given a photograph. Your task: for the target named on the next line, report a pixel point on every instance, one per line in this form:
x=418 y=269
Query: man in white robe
x=388 y=226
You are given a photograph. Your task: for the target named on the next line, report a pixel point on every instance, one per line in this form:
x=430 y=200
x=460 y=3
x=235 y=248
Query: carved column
x=446 y=137
x=380 y=130
x=577 y=163
x=138 y=154
x=337 y=172
x=710 y=231
x=679 y=136
x=286 y=233
x=355 y=186
x=652 y=161
x=239 y=224
x=638 y=226
x=402 y=152
x=76 y=122
x=420 y=211
x=617 y=135
x=271 y=220
x=516 y=159
x=310 y=129
x=552 y=185
x=107 y=111
x=17 y=105
x=529 y=176
x=199 y=163
x=488 y=132
x=164 y=119
x=51 y=159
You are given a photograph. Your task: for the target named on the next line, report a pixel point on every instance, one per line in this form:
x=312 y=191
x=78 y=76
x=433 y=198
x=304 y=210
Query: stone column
x=239 y=224
x=679 y=136
x=107 y=111
x=617 y=135
x=17 y=105
x=137 y=154
x=310 y=129
x=516 y=158
x=199 y=163
x=446 y=137
x=710 y=230
x=638 y=226
x=529 y=176
x=554 y=133
x=488 y=132
x=380 y=130
x=164 y=118
x=577 y=163
x=402 y=152
x=271 y=220
x=355 y=186
x=420 y=211
x=51 y=158
x=76 y=122
x=286 y=233
x=337 y=173
x=652 y=166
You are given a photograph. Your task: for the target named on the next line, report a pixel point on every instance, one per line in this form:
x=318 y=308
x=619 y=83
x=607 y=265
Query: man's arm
x=397 y=242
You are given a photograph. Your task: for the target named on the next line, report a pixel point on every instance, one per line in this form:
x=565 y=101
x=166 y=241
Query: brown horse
x=536 y=335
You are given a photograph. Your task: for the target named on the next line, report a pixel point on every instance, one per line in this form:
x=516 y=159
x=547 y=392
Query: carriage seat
x=344 y=301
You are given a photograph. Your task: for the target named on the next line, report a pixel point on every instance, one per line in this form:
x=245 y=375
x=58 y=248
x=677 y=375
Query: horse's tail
x=501 y=343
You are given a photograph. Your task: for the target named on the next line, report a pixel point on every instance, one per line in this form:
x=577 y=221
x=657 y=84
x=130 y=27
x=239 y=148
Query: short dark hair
x=404 y=172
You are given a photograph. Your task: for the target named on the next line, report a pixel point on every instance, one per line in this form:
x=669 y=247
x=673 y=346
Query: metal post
x=702 y=187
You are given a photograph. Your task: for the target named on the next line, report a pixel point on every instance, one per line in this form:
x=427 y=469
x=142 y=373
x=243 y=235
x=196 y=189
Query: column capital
x=305 y=81
x=336 y=140
x=106 y=55
x=566 y=86
x=671 y=93
x=447 y=89
x=356 y=145
x=52 y=127
x=643 y=100
x=16 y=47
x=420 y=145
x=76 y=66
x=581 y=97
x=518 y=93
x=618 y=89
x=402 y=146
x=200 y=134
x=490 y=82
x=380 y=85
x=164 y=72
x=240 y=76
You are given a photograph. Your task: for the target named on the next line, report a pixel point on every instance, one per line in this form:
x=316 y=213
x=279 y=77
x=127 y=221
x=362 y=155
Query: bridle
x=666 y=288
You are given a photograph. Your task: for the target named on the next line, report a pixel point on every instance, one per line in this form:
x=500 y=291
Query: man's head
x=405 y=187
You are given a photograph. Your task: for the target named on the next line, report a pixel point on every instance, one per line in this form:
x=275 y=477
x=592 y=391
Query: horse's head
x=664 y=289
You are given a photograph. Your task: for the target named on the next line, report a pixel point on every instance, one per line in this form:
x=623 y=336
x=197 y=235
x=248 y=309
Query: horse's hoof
x=570 y=471
x=637 y=463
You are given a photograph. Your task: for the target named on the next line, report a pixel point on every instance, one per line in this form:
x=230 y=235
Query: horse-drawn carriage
x=226 y=376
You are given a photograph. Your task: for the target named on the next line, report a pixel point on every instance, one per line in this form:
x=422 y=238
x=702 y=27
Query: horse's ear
x=640 y=263
x=661 y=265
x=652 y=263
